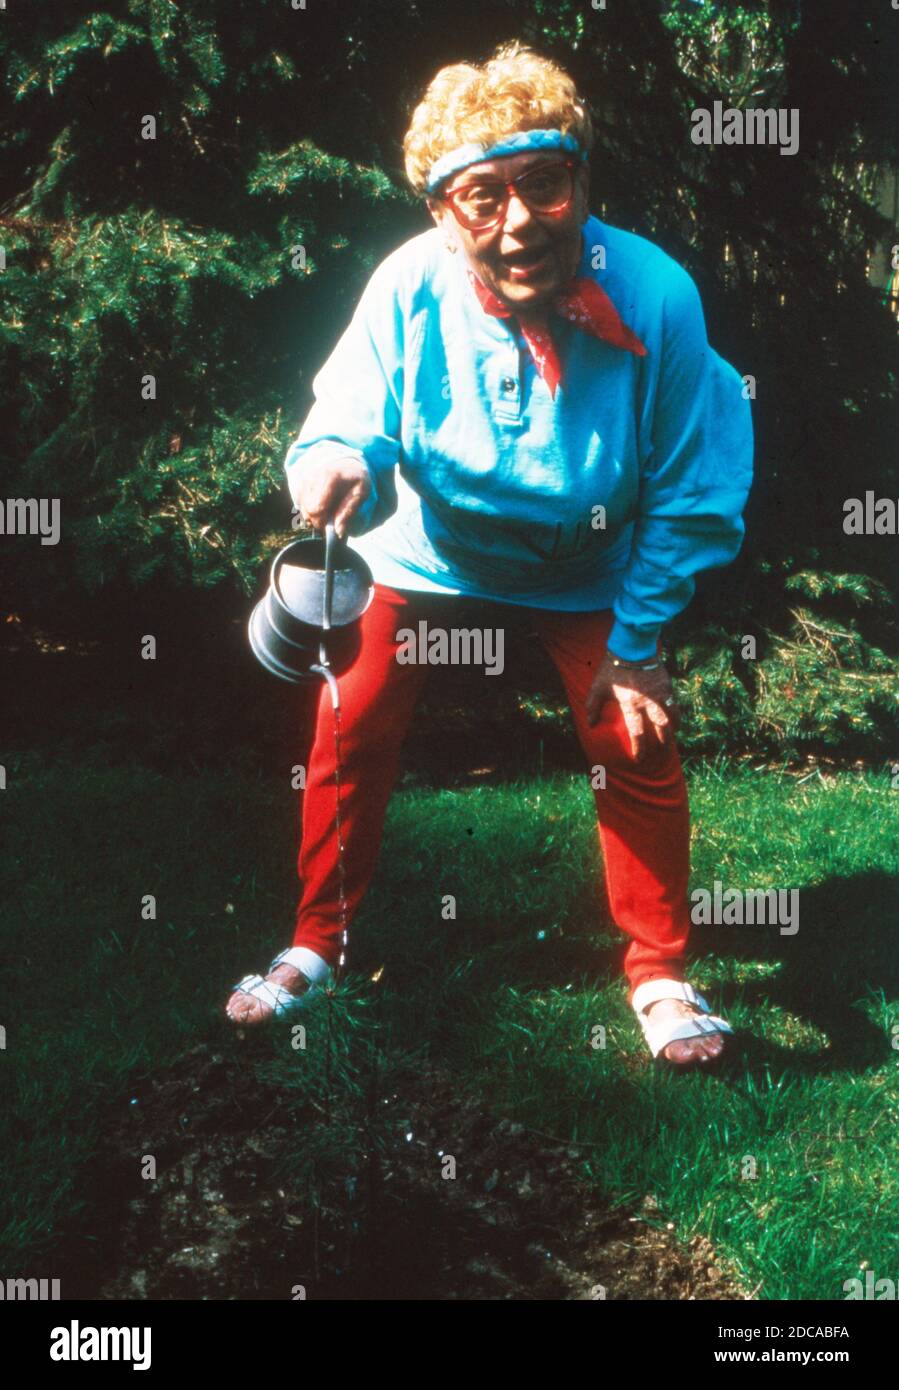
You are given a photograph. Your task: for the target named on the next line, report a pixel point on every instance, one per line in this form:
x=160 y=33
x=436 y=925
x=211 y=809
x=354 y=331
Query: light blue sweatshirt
x=613 y=495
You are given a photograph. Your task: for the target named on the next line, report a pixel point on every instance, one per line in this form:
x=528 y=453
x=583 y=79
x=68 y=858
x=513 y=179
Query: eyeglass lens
x=544 y=189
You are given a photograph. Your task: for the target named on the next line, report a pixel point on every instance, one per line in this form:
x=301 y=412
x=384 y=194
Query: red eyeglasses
x=482 y=204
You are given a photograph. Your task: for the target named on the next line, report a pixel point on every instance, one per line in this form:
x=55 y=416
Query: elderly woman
x=568 y=443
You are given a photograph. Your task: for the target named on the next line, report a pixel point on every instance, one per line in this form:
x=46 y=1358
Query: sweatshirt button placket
x=507 y=392
x=508 y=406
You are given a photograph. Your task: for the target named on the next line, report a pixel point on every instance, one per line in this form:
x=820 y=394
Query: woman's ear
x=445 y=220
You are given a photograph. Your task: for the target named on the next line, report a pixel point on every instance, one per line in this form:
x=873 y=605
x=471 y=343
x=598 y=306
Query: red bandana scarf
x=584 y=303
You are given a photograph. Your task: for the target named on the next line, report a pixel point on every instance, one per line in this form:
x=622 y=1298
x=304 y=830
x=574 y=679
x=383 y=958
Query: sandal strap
x=278 y=999
x=651 y=991
x=660 y=1032
x=309 y=963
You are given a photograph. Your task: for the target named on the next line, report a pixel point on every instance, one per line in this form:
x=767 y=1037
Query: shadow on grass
x=844 y=952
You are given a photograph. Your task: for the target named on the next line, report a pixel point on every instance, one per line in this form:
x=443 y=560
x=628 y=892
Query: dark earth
x=219 y=1222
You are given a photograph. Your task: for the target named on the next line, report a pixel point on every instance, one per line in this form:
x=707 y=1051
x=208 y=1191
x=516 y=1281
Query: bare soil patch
x=221 y=1221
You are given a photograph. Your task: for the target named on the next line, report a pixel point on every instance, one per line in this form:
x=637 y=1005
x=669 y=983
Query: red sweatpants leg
x=643 y=815
x=377 y=700
x=642 y=812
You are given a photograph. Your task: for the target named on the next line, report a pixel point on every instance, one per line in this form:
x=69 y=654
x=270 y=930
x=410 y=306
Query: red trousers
x=642 y=812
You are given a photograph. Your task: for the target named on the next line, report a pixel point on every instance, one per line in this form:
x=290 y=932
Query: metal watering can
x=307 y=624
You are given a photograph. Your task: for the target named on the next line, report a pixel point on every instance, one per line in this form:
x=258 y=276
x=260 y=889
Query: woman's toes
x=244 y=1009
x=711 y=1047
x=690 y=1049
x=702 y=1048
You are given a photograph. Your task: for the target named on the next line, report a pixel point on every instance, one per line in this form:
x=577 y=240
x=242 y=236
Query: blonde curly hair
x=516 y=89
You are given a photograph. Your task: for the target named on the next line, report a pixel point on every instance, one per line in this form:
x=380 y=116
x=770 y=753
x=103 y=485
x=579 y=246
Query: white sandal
x=278 y=999
x=659 y=1032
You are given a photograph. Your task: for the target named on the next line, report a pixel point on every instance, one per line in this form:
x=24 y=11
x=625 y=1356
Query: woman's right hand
x=334 y=491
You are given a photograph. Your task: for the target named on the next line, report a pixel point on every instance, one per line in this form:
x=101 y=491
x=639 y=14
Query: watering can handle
x=329 y=574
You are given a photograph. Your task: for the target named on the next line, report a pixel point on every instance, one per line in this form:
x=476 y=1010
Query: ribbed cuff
x=309 y=963
x=633 y=643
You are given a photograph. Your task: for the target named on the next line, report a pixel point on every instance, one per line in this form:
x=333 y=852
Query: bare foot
x=245 y=1008
x=702 y=1049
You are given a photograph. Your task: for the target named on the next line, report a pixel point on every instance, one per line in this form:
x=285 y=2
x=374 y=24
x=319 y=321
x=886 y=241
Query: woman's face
x=503 y=256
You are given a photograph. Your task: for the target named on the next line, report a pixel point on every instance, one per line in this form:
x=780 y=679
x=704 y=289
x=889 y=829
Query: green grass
x=787 y=1163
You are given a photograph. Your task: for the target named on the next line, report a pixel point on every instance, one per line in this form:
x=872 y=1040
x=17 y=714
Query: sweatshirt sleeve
x=696 y=446
x=358 y=400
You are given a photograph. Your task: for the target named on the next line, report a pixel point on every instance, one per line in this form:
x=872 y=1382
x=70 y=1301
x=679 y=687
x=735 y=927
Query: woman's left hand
x=642 y=697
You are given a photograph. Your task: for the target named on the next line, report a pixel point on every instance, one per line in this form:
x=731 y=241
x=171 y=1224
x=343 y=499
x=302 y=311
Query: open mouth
x=521 y=264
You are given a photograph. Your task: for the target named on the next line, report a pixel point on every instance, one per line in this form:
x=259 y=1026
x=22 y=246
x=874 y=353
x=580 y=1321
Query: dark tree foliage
x=225 y=256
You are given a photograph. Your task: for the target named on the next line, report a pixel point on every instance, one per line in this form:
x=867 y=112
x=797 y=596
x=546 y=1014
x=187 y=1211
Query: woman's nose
x=518 y=214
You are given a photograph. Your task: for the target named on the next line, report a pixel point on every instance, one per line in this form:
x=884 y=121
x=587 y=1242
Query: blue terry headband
x=524 y=140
